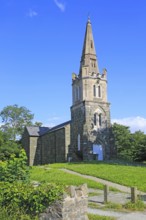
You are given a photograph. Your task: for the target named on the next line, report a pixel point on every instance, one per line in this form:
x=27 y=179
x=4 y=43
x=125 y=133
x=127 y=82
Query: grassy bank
x=122 y=174
x=42 y=174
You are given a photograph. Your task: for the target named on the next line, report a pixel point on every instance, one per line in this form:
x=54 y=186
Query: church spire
x=88 y=58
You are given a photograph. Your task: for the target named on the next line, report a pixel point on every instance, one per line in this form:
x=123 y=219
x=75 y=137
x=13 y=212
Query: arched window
x=95 y=118
x=94 y=91
x=99 y=91
x=100 y=120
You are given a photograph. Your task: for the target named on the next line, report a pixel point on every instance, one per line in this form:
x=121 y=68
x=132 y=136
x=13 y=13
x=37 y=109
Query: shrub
x=15 y=169
x=21 y=196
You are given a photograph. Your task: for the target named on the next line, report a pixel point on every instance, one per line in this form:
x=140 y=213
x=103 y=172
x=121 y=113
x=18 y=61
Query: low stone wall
x=73 y=205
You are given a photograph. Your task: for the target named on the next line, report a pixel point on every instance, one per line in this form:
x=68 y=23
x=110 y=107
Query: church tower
x=90 y=112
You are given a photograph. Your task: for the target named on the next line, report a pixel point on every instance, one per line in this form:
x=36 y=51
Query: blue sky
x=40 y=46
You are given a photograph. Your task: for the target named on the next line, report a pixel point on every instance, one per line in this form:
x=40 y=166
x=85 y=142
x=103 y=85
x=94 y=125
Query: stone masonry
x=73 y=205
x=90 y=112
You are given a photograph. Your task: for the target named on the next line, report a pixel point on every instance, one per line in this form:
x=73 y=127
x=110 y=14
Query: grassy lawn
x=42 y=174
x=98 y=217
x=122 y=174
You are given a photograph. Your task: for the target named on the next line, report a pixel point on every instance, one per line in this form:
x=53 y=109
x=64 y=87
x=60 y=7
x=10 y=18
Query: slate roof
x=36 y=131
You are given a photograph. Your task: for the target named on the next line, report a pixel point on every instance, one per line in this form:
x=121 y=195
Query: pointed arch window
x=95 y=119
x=100 y=120
x=94 y=90
x=99 y=91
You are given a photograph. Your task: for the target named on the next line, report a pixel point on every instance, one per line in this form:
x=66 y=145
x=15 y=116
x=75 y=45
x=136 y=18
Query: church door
x=98 y=152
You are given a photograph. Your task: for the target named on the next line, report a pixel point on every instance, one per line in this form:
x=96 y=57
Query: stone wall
x=25 y=143
x=30 y=144
x=78 y=120
x=83 y=123
x=73 y=205
x=54 y=145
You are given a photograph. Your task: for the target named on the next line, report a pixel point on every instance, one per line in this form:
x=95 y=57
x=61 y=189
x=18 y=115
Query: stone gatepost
x=72 y=206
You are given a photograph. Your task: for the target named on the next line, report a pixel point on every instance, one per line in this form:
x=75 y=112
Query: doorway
x=98 y=152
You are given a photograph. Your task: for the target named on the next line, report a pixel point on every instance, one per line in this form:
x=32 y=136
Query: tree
x=139 y=143
x=15 y=118
x=122 y=141
x=37 y=123
x=8 y=147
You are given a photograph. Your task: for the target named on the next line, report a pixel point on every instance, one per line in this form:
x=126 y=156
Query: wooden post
x=133 y=194
x=106 y=191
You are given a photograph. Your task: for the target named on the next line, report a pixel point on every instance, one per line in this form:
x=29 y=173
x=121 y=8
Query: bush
x=15 y=169
x=8 y=148
x=21 y=196
x=13 y=214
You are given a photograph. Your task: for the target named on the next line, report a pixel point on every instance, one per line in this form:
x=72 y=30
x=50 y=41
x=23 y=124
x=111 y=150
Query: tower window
x=99 y=91
x=100 y=120
x=94 y=91
x=95 y=119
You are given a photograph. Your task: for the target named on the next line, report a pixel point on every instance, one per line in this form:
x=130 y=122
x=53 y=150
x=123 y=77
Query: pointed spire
x=88 y=57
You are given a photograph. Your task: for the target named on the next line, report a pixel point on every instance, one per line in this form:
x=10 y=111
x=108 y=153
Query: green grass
x=42 y=174
x=129 y=206
x=99 y=217
x=93 y=194
x=122 y=174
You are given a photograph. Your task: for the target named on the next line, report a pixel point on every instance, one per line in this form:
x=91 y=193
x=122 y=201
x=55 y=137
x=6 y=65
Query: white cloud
x=32 y=13
x=135 y=123
x=60 y=5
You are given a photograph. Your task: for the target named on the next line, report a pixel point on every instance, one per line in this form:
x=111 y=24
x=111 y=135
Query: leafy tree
x=129 y=146
x=139 y=145
x=122 y=141
x=37 y=123
x=15 y=118
x=8 y=147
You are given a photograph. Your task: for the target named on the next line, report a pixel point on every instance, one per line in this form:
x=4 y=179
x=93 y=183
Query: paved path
x=116 y=197
x=105 y=182
x=119 y=215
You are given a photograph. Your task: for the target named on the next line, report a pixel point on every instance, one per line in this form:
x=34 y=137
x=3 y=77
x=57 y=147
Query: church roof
x=37 y=131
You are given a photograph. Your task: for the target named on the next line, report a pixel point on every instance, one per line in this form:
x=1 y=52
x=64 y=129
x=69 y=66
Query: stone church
x=87 y=135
